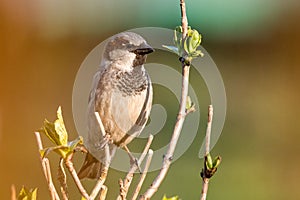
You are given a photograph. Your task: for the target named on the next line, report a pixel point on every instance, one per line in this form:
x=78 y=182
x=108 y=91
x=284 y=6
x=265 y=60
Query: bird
x=122 y=95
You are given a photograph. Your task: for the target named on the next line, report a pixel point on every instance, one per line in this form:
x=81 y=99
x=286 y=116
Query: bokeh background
x=255 y=45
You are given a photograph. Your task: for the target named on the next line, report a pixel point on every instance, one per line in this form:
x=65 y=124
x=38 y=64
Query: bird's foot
x=133 y=160
x=105 y=141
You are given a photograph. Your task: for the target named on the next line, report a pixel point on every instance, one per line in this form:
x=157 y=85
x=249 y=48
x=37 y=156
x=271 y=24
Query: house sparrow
x=122 y=95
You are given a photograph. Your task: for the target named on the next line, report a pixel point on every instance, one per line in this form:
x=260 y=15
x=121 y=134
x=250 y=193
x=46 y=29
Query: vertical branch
x=184 y=21
x=105 y=167
x=13 y=192
x=125 y=184
x=204 y=188
x=62 y=178
x=99 y=183
x=180 y=117
x=46 y=169
x=208 y=129
x=102 y=130
x=103 y=192
x=205 y=179
x=138 y=187
x=70 y=167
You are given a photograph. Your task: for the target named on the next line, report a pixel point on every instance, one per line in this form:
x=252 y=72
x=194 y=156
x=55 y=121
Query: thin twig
x=99 y=183
x=176 y=133
x=105 y=167
x=13 y=192
x=208 y=129
x=103 y=192
x=204 y=188
x=205 y=180
x=180 y=118
x=70 y=167
x=62 y=178
x=46 y=169
x=184 y=21
x=102 y=130
x=143 y=176
x=124 y=185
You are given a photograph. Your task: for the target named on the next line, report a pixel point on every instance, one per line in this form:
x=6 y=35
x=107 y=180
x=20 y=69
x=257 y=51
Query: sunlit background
x=255 y=45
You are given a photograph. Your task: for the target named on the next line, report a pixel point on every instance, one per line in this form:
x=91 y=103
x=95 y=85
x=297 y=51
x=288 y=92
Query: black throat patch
x=131 y=83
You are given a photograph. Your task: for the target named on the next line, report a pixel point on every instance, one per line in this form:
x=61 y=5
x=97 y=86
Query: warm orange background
x=255 y=45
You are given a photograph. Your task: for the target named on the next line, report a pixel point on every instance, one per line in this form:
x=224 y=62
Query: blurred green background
x=255 y=45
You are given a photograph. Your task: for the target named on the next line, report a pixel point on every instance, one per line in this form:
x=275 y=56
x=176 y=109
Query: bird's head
x=127 y=50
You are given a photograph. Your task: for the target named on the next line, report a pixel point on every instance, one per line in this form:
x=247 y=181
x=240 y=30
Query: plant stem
x=99 y=183
x=104 y=170
x=205 y=180
x=62 y=178
x=208 y=129
x=204 y=188
x=184 y=21
x=125 y=184
x=103 y=192
x=46 y=169
x=70 y=167
x=138 y=187
x=13 y=192
x=180 y=117
x=176 y=133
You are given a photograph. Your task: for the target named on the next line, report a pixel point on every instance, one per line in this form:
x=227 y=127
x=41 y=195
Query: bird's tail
x=91 y=168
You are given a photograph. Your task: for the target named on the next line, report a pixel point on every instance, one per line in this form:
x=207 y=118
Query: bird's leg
x=133 y=160
x=106 y=140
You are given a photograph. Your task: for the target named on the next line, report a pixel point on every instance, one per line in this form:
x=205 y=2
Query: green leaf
x=172 y=49
x=171 y=198
x=49 y=130
x=58 y=134
x=209 y=162
x=192 y=42
x=73 y=144
x=60 y=128
x=56 y=131
x=189 y=103
x=196 y=54
x=195 y=39
x=26 y=194
x=217 y=161
x=178 y=40
x=63 y=150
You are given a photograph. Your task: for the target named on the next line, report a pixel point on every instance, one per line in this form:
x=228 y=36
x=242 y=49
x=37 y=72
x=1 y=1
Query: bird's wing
x=95 y=140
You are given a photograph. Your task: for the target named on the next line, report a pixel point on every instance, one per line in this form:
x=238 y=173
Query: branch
x=125 y=184
x=176 y=133
x=103 y=193
x=104 y=169
x=208 y=129
x=46 y=169
x=62 y=178
x=180 y=117
x=184 y=21
x=13 y=192
x=205 y=179
x=102 y=130
x=100 y=182
x=138 y=187
x=70 y=167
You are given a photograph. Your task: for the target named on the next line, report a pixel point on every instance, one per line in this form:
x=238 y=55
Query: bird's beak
x=143 y=49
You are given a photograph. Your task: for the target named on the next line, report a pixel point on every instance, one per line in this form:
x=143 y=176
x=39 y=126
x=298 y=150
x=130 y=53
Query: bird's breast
x=121 y=100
